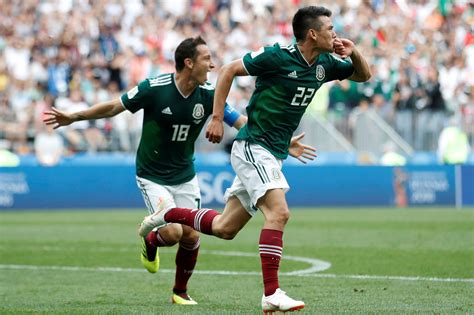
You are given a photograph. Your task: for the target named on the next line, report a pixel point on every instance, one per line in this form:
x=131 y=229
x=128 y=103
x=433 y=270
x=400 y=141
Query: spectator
x=453 y=145
x=49 y=147
x=432 y=111
x=404 y=99
x=56 y=42
x=7 y=157
x=391 y=157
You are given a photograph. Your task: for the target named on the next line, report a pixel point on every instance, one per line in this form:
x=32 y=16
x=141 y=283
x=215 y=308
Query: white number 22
x=303 y=96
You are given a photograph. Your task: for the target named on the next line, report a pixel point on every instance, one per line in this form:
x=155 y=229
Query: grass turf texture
x=428 y=243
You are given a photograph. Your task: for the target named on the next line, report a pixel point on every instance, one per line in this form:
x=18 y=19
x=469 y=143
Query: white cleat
x=156 y=219
x=280 y=302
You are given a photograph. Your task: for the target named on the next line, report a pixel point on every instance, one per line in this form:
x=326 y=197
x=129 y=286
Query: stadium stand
x=73 y=53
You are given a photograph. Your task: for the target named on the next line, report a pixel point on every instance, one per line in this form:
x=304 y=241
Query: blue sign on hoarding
x=467 y=183
x=31 y=187
x=113 y=186
x=429 y=185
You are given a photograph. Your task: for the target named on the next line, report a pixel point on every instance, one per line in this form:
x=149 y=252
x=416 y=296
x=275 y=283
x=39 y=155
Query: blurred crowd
x=73 y=53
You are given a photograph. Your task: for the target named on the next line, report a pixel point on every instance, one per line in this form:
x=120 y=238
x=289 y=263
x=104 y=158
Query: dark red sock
x=198 y=219
x=270 y=248
x=186 y=258
x=154 y=239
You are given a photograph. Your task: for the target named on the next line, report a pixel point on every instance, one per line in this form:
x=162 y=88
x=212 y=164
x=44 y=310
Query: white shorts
x=186 y=195
x=257 y=172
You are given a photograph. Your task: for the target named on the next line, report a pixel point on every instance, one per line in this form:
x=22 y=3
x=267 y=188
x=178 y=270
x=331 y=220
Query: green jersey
x=285 y=85
x=171 y=124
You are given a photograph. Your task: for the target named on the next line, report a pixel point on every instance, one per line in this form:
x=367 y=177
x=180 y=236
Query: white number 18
x=180 y=132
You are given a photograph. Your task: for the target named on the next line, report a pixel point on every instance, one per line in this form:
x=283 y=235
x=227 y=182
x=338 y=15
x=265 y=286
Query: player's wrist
x=218 y=117
x=78 y=116
x=353 y=52
x=74 y=117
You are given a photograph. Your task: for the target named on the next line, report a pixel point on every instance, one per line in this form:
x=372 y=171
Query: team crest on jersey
x=276 y=174
x=198 y=111
x=320 y=73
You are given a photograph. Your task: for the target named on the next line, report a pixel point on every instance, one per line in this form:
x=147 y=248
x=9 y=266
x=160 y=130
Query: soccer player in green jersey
x=176 y=107
x=287 y=79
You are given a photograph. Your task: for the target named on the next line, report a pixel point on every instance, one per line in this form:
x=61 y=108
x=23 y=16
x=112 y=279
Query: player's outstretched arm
x=58 y=118
x=346 y=48
x=301 y=151
x=215 y=128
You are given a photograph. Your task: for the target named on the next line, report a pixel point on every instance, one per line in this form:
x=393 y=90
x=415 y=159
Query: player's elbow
x=367 y=76
x=232 y=69
x=363 y=76
x=227 y=72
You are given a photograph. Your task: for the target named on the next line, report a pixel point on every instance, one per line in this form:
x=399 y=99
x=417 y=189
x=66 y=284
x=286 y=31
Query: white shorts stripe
x=260 y=170
x=146 y=198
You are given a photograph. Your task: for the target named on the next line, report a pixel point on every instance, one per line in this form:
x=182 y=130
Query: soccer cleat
x=156 y=219
x=280 y=302
x=182 y=299
x=149 y=257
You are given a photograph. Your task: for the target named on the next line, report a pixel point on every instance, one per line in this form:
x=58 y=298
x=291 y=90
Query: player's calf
x=198 y=219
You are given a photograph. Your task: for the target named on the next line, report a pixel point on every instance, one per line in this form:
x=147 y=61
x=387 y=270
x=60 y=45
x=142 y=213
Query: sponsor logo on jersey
x=198 y=111
x=293 y=75
x=320 y=73
x=132 y=92
x=167 y=111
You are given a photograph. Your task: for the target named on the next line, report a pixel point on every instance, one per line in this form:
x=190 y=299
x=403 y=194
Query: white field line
x=316 y=265
x=234 y=273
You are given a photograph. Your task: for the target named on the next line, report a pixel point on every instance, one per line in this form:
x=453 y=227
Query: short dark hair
x=306 y=18
x=187 y=49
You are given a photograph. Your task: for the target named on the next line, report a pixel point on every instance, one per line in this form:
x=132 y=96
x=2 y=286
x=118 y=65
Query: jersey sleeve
x=230 y=115
x=341 y=69
x=137 y=97
x=263 y=61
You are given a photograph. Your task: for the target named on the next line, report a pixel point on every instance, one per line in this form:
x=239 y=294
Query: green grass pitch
x=382 y=261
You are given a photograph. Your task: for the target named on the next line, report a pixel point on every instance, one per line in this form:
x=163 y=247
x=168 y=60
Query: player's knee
x=279 y=215
x=225 y=232
x=190 y=236
x=172 y=234
x=228 y=235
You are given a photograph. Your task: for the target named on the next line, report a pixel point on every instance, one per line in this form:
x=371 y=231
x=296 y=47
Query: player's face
x=202 y=65
x=325 y=36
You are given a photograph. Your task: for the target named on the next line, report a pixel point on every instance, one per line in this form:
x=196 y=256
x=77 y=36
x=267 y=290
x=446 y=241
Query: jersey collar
x=177 y=88
x=302 y=57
